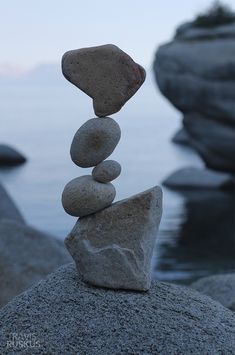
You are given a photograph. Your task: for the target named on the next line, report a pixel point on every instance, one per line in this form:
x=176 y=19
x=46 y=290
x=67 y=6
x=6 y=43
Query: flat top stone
x=105 y=73
x=199 y=178
x=67 y=316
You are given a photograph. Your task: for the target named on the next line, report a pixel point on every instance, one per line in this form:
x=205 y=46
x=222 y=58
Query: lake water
x=197 y=232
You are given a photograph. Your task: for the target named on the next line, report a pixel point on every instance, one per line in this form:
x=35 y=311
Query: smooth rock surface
x=66 y=316
x=199 y=178
x=219 y=287
x=214 y=141
x=83 y=196
x=113 y=248
x=200 y=82
x=195 y=77
x=10 y=156
x=106 y=171
x=95 y=141
x=26 y=256
x=8 y=209
x=105 y=73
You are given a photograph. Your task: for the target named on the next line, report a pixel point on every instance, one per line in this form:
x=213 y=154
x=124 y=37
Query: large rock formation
x=26 y=256
x=63 y=315
x=113 y=248
x=196 y=72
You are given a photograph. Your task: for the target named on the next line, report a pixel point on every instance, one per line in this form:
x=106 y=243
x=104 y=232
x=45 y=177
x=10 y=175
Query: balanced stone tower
x=112 y=244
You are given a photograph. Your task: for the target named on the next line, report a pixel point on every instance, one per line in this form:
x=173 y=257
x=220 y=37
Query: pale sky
x=34 y=32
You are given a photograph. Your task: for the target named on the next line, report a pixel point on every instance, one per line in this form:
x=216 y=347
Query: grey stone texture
x=66 y=316
x=10 y=156
x=199 y=178
x=213 y=140
x=196 y=72
x=219 y=287
x=106 y=171
x=8 y=208
x=113 y=248
x=95 y=141
x=83 y=196
x=105 y=73
x=26 y=256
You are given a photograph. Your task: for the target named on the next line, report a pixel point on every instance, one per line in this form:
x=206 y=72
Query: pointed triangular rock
x=113 y=248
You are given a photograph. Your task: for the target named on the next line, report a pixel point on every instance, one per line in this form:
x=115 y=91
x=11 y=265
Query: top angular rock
x=105 y=73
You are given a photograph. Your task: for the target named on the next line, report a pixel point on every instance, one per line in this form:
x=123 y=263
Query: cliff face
x=196 y=72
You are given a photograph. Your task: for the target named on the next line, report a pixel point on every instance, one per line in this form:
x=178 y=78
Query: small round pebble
x=94 y=141
x=106 y=171
x=83 y=196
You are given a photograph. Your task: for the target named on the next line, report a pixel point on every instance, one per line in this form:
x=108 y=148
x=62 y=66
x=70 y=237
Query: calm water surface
x=197 y=233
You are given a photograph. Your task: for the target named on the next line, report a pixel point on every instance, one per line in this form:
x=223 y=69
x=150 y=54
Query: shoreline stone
x=26 y=256
x=10 y=156
x=199 y=178
x=220 y=287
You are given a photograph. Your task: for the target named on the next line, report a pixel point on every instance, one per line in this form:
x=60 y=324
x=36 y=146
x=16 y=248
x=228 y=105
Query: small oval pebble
x=94 y=141
x=83 y=196
x=106 y=171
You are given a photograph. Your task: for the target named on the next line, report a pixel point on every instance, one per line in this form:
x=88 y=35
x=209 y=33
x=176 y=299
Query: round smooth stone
x=106 y=171
x=83 y=196
x=94 y=141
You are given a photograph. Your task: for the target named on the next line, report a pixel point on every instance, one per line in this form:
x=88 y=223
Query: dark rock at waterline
x=214 y=141
x=10 y=157
x=219 y=287
x=199 y=178
x=181 y=137
x=26 y=256
x=67 y=316
x=8 y=208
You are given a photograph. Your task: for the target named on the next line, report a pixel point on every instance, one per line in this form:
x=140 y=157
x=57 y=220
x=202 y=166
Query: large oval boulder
x=63 y=315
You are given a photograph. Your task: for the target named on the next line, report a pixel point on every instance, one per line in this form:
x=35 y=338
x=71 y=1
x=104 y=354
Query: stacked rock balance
x=112 y=245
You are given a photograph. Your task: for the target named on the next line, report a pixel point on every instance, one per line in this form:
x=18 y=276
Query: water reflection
x=205 y=241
